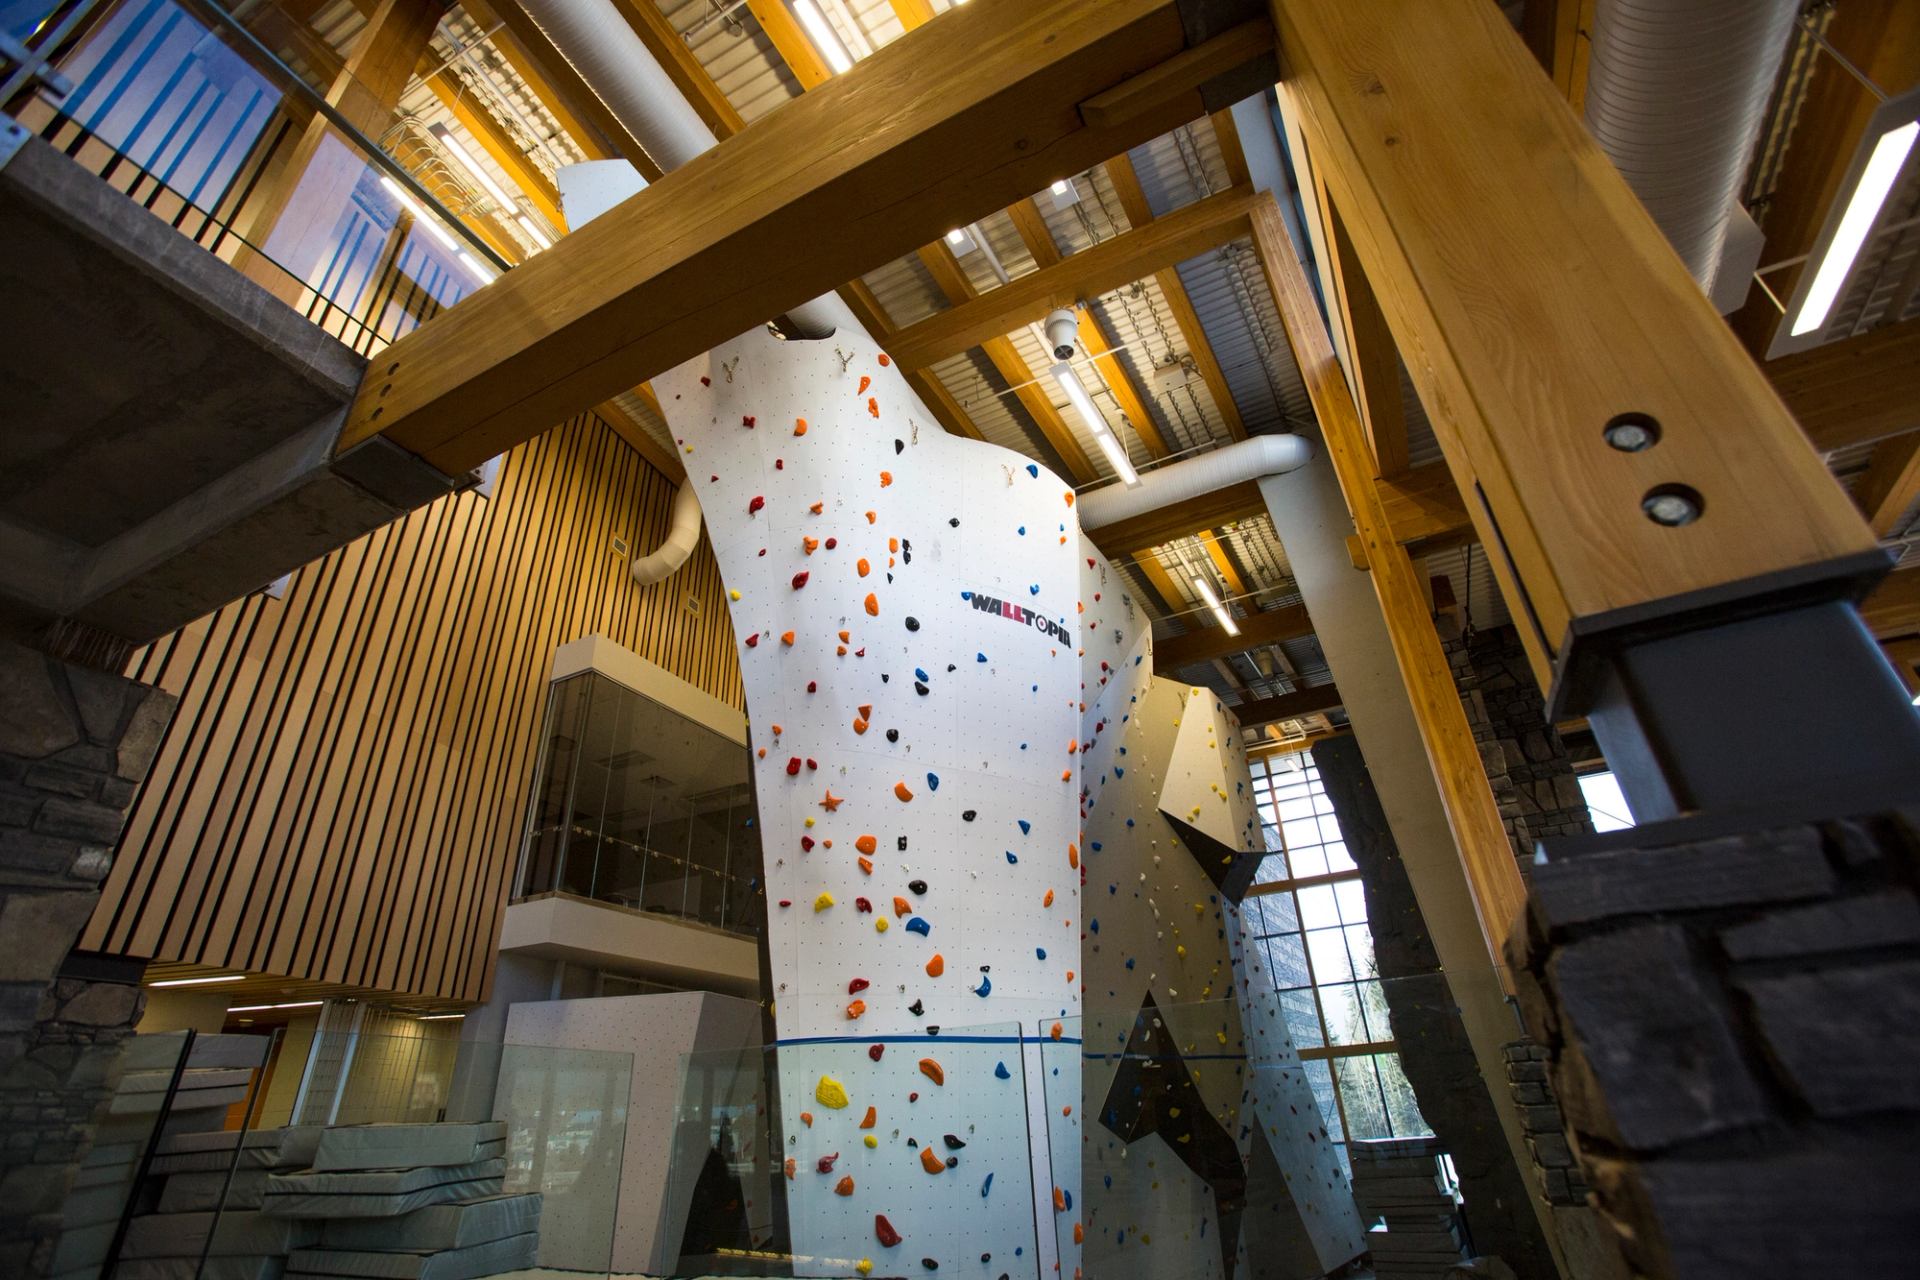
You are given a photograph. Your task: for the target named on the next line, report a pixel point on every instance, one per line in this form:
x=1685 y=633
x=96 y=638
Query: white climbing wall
x=906 y=605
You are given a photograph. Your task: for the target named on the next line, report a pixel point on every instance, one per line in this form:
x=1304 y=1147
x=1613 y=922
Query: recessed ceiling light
x=198 y=982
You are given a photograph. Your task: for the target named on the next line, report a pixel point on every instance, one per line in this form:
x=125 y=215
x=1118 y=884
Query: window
x=1307 y=917
x=1605 y=803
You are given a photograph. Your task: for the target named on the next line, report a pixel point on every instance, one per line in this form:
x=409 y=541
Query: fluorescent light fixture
x=959 y=241
x=471 y=165
x=472 y=264
x=399 y=193
x=822 y=35
x=540 y=237
x=1102 y=435
x=1213 y=603
x=198 y=982
x=1065 y=193
x=1876 y=183
x=257 y=1008
x=440 y=1017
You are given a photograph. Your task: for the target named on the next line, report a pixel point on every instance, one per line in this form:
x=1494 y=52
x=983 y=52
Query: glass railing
x=192 y=113
x=349 y=1153
x=640 y=807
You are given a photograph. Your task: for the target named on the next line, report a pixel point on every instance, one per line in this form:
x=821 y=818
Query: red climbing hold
x=863 y=905
x=844 y=1187
x=812 y=763
x=806 y=844
x=746 y=419
x=875 y=1050
x=885 y=359
x=825 y=1163
x=793 y=766
x=753 y=641
x=757 y=503
x=800 y=580
x=858 y=985
x=883 y=1231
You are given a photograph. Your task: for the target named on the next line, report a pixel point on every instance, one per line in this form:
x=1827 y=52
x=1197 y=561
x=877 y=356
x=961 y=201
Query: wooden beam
x=681 y=66
x=1288 y=706
x=1373 y=361
x=1034 y=234
x=505 y=150
x=1905 y=657
x=1232 y=154
x=1133 y=201
x=1465 y=793
x=1259 y=628
x=1173 y=599
x=1180 y=75
x=1223 y=564
x=1892 y=483
x=1854 y=390
x=912 y=13
x=1464 y=177
x=628 y=428
x=1032 y=394
x=1424 y=512
x=1206 y=224
x=1893 y=609
x=790 y=42
x=977 y=110
x=1203 y=511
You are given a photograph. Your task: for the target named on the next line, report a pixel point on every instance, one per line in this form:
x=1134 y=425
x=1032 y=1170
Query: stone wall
x=74 y=746
x=1733 y=1020
x=1526 y=762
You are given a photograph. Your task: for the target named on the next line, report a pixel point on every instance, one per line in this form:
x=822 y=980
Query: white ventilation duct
x=1237 y=463
x=1677 y=93
x=683 y=535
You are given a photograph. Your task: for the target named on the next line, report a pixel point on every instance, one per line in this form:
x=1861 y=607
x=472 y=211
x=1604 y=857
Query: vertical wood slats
x=341 y=793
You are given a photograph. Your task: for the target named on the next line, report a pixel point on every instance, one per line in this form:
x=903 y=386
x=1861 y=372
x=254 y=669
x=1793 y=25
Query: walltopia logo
x=1026 y=617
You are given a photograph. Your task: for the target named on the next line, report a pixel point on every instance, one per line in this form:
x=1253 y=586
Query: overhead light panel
x=420 y=217
x=198 y=982
x=824 y=38
x=1213 y=603
x=472 y=264
x=260 y=1008
x=539 y=237
x=1065 y=193
x=1858 y=217
x=959 y=241
x=1103 y=436
x=474 y=168
x=440 y=1017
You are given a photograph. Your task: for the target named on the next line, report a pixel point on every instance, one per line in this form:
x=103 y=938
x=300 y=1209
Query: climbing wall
x=1175 y=1171
x=906 y=605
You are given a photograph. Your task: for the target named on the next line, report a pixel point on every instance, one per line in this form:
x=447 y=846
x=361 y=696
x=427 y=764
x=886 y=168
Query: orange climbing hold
x=855 y=1009
x=799 y=426
x=885 y=359
x=866 y=844
x=1073 y=856
x=1054 y=1031
x=936 y=966
x=866 y=708
x=862 y=568
x=809 y=545
x=901 y=906
x=832 y=801
x=792 y=1164
x=872 y=516
x=902 y=792
x=776 y=730
x=1059 y=1200
x=873 y=605
x=817 y=508
x=1079 y=1232
x=843 y=639
x=1047 y=901
x=865 y=382
x=866 y=865
x=933 y=1071
x=893 y=544
x=786 y=638
x=867 y=1121
x=859 y=725
x=1068 y=495
x=873 y=407
x=844 y=1187
x=886 y=477
x=806 y=1118
x=931 y=1161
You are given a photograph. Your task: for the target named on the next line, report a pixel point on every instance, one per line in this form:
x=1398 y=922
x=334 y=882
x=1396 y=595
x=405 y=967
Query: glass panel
x=1317 y=908
x=1360 y=1095
x=1329 y=950
x=1306 y=860
x=1270 y=913
x=546 y=828
x=1352 y=896
x=1303 y=1018
x=1373 y=1006
x=1287 y=960
x=1403 y=1110
x=1338 y=859
x=1320 y=1076
x=1272 y=869
x=1340 y=1003
x=1360 y=947
x=582 y=838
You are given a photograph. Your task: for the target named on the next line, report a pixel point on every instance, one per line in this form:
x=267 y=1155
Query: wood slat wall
x=341 y=793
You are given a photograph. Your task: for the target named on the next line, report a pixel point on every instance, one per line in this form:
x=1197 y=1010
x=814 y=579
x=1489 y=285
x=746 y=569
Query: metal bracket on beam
x=13 y=136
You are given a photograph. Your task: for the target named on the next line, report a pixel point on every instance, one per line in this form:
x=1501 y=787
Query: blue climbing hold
x=1069 y=1197
x=1129 y=821
x=985 y=988
x=919 y=673
x=1011 y=860
x=1000 y=1071
x=968 y=595
x=1118 y=772
x=1034 y=589
x=919 y=926
x=1095 y=846
x=979 y=657
x=986 y=1186
x=1094 y=925
x=933 y=782
x=1026 y=828
x=1033 y=471
x=1129 y=961
x=1041 y=952
x=1023 y=531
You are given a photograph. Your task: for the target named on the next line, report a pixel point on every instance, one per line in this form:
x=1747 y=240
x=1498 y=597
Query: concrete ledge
x=600 y=934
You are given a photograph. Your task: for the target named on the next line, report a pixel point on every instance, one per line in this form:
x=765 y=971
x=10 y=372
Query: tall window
x=1308 y=916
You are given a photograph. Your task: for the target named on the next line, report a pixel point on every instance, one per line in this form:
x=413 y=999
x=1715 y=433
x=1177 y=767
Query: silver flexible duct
x=1236 y=463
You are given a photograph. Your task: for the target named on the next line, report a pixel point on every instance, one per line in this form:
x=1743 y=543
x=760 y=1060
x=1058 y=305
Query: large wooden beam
x=503 y=147
x=1855 y=390
x=1157 y=528
x=1259 y=627
x=1893 y=610
x=1288 y=706
x=1892 y=483
x=1472 y=814
x=1204 y=225
x=1424 y=511
x=1373 y=362
x=967 y=115
x=1536 y=300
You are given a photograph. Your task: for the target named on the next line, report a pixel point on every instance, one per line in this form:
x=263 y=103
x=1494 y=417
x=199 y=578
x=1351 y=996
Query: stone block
x=81 y=820
x=102 y=1004
x=145 y=731
x=1890 y=919
x=92 y=864
x=30 y=852
x=102 y=699
x=39 y=928
x=1847 y=1038
x=35 y=720
x=1550 y=1150
x=1528 y=1095
x=61 y=780
x=1542 y=1118
x=1772 y=866
x=1650 y=1058
x=16 y=808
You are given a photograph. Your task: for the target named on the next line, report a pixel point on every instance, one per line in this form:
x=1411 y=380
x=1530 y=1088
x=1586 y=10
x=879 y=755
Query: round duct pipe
x=1235 y=464
x=683 y=535
x=1677 y=93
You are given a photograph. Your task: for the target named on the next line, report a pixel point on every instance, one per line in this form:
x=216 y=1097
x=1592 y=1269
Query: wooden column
x=1472 y=814
x=1534 y=301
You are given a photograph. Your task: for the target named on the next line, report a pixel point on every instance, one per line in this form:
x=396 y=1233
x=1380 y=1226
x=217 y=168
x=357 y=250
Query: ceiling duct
x=1677 y=94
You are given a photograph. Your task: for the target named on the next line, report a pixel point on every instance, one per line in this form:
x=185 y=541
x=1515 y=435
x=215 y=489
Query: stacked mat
x=1398 y=1184
x=210 y=1186
x=216 y=1074
x=407 y=1202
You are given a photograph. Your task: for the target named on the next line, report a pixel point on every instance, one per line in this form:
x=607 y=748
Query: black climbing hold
x=893 y=735
x=929 y=1264
x=918 y=886
x=903 y=844
x=953 y=1142
x=913 y=1142
x=884 y=677
x=933 y=1028
x=920 y=688
x=986 y=1257
x=951 y=667
x=899 y=447
x=954 y=521
x=913 y=624
x=953 y=1162
x=918 y=1008
x=969 y=815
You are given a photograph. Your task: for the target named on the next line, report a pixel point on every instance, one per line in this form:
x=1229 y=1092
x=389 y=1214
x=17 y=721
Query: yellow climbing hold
x=733 y=594
x=871 y=1141
x=880 y=925
x=822 y=902
x=865 y=1265
x=830 y=1093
